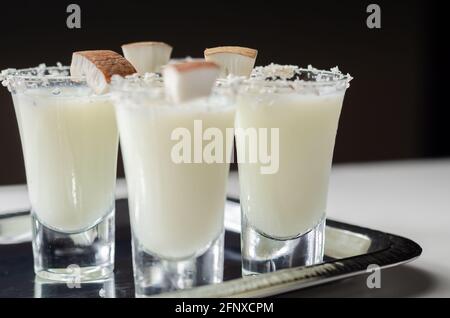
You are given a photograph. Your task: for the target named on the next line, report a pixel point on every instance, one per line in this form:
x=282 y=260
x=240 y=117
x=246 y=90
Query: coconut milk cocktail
x=70 y=140
x=284 y=208
x=176 y=134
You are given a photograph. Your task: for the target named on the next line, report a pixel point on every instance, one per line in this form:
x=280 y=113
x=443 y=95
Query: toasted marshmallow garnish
x=99 y=66
x=147 y=57
x=234 y=60
x=190 y=80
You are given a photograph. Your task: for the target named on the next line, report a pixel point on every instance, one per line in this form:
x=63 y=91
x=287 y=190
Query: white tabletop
x=408 y=198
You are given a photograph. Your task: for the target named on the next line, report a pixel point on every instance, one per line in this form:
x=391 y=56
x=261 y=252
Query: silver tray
x=349 y=250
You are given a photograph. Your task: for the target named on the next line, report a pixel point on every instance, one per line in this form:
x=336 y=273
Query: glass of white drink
x=291 y=115
x=70 y=141
x=176 y=171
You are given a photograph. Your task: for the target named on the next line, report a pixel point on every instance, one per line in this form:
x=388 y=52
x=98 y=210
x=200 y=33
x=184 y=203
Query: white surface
x=409 y=198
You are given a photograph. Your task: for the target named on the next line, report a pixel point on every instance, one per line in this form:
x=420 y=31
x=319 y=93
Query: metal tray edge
x=400 y=251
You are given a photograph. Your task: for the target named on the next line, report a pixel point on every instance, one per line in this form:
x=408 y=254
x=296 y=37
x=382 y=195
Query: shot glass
x=286 y=125
x=70 y=144
x=176 y=159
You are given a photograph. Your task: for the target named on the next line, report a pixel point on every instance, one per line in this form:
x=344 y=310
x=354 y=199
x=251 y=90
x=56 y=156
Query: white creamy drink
x=176 y=209
x=70 y=143
x=292 y=200
x=70 y=140
x=168 y=128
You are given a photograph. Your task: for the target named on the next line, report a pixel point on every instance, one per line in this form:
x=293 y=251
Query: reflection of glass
x=176 y=209
x=97 y=289
x=283 y=211
x=69 y=140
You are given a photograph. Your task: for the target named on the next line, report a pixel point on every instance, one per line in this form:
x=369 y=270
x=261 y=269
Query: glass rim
x=290 y=79
x=137 y=83
x=44 y=77
x=26 y=73
x=140 y=90
x=333 y=77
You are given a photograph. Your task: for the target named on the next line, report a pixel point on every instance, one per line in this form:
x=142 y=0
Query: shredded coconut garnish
x=137 y=88
x=293 y=73
x=135 y=81
x=40 y=76
x=273 y=72
x=285 y=78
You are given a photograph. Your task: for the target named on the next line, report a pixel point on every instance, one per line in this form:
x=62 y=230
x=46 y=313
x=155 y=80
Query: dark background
x=393 y=109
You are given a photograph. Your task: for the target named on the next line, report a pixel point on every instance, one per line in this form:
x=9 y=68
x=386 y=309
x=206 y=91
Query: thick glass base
x=102 y=288
x=263 y=254
x=74 y=257
x=155 y=275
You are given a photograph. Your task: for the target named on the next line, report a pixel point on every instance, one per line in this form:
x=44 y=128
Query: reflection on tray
x=349 y=250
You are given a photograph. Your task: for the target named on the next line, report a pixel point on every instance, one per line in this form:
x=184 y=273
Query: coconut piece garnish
x=147 y=57
x=234 y=60
x=190 y=80
x=99 y=66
